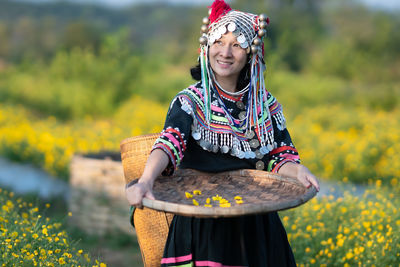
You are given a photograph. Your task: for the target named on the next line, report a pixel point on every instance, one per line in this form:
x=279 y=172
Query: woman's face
x=227 y=58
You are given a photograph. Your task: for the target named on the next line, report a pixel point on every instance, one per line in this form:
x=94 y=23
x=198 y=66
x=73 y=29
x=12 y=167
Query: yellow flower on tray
x=195 y=202
x=225 y=205
x=238 y=198
x=196 y=192
x=223 y=201
x=239 y=201
x=208 y=201
x=208 y=205
x=188 y=195
x=217 y=198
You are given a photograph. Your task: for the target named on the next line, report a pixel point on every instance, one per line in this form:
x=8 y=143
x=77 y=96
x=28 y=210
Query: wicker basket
x=151 y=226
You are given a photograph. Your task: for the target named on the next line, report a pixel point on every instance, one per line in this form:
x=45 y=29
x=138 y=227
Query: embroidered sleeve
x=173 y=138
x=284 y=150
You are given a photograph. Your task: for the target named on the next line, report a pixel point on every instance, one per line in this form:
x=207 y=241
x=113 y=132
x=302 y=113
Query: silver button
x=240 y=104
x=260 y=165
x=250 y=134
x=254 y=143
x=259 y=155
x=224 y=149
x=196 y=135
x=242 y=115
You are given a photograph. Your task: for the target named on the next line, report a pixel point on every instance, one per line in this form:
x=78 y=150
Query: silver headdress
x=249 y=30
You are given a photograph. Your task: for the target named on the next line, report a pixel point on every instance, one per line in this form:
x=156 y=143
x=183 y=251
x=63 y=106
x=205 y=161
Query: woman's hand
x=301 y=172
x=137 y=192
x=156 y=163
x=306 y=177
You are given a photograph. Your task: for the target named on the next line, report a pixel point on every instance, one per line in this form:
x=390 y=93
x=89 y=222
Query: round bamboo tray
x=260 y=191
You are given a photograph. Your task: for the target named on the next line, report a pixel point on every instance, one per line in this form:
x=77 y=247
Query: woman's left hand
x=301 y=172
x=306 y=177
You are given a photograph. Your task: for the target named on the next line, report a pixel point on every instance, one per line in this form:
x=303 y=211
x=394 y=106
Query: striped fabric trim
x=213 y=264
x=172 y=142
x=182 y=262
x=176 y=259
x=281 y=149
x=280 y=164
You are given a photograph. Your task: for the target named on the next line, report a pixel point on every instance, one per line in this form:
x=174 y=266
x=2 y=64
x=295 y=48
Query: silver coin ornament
x=244 y=45
x=196 y=135
x=204 y=28
x=250 y=134
x=240 y=105
x=224 y=149
x=215 y=148
x=222 y=30
x=247 y=155
x=263 y=25
x=203 y=40
x=206 y=21
x=241 y=39
x=231 y=27
x=234 y=151
x=257 y=41
x=242 y=115
x=260 y=165
x=254 y=143
x=254 y=49
x=259 y=155
x=269 y=146
x=262 y=32
x=209 y=11
x=264 y=150
x=240 y=154
x=262 y=17
x=212 y=39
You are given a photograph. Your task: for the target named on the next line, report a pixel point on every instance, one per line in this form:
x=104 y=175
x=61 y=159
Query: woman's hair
x=242 y=82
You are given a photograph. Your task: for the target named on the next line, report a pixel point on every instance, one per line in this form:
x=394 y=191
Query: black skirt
x=255 y=240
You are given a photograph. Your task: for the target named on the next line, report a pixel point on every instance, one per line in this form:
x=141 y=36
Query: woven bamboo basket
x=151 y=226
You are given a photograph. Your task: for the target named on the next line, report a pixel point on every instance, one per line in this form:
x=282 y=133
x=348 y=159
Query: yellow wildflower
x=188 y=195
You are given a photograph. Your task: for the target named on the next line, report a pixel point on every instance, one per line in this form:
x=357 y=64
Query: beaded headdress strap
x=249 y=30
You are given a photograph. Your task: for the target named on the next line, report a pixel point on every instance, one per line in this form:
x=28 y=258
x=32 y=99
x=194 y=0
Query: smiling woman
x=226 y=121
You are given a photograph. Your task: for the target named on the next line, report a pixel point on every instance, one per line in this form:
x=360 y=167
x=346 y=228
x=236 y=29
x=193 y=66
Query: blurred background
x=78 y=77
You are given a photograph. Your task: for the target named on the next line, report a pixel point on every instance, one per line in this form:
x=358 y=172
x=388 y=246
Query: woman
x=227 y=121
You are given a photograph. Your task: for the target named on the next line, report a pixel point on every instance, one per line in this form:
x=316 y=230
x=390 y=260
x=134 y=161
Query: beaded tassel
x=205 y=80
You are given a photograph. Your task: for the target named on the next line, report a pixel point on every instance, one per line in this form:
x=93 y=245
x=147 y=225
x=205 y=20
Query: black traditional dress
x=190 y=142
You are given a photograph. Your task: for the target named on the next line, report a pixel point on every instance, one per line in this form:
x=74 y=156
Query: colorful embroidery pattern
x=225 y=133
x=172 y=142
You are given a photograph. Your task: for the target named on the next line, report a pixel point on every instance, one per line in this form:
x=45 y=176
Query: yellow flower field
x=335 y=143
x=51 y=144
x=347 y=231
x=28 y=239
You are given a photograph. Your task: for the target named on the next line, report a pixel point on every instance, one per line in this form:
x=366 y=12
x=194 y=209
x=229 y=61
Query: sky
x=382 y=4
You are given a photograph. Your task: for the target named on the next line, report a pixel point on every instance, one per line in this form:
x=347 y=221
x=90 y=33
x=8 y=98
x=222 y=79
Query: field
x=82 y=88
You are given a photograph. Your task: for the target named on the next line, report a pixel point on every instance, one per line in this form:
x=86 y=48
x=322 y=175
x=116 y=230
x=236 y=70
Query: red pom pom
x=218 y=9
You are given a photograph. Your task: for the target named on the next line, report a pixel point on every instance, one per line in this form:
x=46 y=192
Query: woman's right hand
x=137 y=192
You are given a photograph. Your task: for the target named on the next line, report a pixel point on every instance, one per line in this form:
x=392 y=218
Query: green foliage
x=75 y=83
